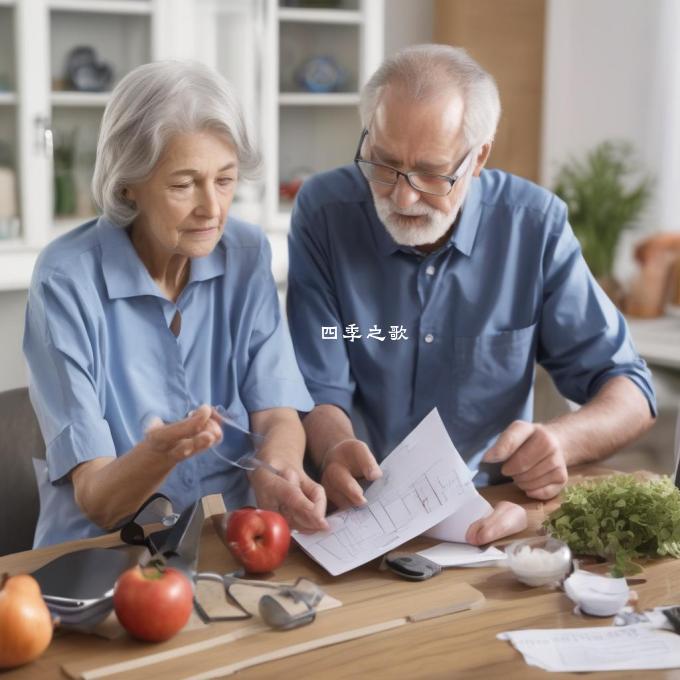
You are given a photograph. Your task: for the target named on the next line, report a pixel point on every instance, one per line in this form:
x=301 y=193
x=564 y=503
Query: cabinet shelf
x=107 y=7
x=319 y=16
x=318 y=99
x=7 y=98
x=67 y=98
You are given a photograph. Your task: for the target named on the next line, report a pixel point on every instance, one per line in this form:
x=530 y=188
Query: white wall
x=612 y=71
x=407 y=22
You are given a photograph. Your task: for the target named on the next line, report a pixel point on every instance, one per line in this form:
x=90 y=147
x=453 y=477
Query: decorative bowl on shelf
x=320 y=74
x=85 y=72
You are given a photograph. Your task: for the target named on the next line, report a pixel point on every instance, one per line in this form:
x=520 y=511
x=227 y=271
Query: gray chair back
x=20 y=442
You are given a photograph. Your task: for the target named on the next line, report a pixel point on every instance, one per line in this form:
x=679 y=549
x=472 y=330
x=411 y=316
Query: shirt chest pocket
x=492 y=375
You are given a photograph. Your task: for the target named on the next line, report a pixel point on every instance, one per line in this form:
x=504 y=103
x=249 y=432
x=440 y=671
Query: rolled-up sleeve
x=273 y=378
x=584 y=339
x=60 y=348
x=312 y=304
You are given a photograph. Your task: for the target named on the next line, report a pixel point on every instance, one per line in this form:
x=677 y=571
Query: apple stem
x=3 y=580
x=155 y=568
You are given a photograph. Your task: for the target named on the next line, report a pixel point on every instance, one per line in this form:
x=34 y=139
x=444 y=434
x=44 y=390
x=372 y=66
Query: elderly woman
x=163 y=304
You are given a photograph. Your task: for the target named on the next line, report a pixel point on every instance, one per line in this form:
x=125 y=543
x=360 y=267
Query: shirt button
x=429 y=338
x=430 y=270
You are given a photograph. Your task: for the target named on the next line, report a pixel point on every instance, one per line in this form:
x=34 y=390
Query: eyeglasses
x=425 y=182
x=242 y=444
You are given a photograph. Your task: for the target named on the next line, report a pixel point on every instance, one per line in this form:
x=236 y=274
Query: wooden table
x=461 y=644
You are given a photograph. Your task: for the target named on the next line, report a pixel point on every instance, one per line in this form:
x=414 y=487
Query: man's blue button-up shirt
x=460 y=328
x=102 y=356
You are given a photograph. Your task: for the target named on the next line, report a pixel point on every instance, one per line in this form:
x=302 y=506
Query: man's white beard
x=406 y=231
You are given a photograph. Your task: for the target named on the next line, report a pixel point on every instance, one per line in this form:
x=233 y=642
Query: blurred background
x=591 y=108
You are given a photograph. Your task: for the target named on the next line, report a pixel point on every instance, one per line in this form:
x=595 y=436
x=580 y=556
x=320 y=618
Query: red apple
x=154 y=602
x=258 y=539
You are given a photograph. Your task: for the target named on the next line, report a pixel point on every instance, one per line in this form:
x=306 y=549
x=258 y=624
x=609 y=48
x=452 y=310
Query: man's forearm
x=618 y=414
x=326 y=425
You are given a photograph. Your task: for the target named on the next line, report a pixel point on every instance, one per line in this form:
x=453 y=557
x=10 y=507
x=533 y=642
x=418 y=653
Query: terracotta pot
x=613 y=288
x=651 y=289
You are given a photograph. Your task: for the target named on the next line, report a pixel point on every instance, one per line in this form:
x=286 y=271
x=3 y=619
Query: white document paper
x=461 y=554
x=579 y=650
x=455 y=526
x=424 y=481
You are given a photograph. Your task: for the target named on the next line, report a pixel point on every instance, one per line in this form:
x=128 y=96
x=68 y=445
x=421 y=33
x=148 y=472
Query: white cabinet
x=48 y=128
x=307 y=131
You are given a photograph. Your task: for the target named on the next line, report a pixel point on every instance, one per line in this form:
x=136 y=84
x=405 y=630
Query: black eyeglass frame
x=451 y=179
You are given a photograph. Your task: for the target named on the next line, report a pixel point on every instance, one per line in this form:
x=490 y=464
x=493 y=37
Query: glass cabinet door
x=92 y=46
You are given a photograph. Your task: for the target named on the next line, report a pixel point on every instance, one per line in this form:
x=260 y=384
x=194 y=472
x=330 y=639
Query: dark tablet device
x=84 y=575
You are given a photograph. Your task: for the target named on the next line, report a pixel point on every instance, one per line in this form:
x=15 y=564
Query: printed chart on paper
x=424 y=481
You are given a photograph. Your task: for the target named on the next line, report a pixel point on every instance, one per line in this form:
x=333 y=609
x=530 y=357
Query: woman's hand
x=507 y=518
x=184 y=438
x=108 y=490
x=294 y=495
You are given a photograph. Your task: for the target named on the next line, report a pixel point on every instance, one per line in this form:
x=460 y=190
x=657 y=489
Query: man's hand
x=295 y=495
x=342 y=465
x=506 y=518
x=533 y=456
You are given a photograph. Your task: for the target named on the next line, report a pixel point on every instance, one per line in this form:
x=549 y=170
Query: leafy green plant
x=602 y=200
x=620 y=518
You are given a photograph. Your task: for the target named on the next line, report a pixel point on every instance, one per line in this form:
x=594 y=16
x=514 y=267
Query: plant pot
x=651 y=289
x=614 y=290
x=64 y=193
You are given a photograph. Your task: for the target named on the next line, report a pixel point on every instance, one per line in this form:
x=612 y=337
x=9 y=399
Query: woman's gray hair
x=425 y=71
x=147 y=107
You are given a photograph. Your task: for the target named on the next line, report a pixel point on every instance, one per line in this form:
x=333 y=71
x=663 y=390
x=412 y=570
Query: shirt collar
x=125 y=274
x=462 y=238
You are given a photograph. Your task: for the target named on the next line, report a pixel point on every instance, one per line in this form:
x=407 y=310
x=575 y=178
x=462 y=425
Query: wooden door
x=506 y=38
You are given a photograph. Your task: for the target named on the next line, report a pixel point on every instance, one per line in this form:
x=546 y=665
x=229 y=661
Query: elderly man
x=445 y=283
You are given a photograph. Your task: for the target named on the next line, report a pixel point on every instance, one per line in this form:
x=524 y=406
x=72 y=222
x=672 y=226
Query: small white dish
x=597 y=595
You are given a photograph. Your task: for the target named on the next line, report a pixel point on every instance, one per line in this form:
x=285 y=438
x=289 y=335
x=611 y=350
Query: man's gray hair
x=426 y=71
x=147 y=107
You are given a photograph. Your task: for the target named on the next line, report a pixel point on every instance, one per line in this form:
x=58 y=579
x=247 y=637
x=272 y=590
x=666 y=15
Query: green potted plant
x=64 y=179
x=604 y=197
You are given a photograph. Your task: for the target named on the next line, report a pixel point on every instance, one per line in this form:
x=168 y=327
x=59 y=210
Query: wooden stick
x=149 y=659
x=301 y=648
x=335 y=639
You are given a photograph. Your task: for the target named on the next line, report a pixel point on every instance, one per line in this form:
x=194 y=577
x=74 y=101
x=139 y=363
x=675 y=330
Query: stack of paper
x=461 y=555
x=425 y=481
x=579 y=650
